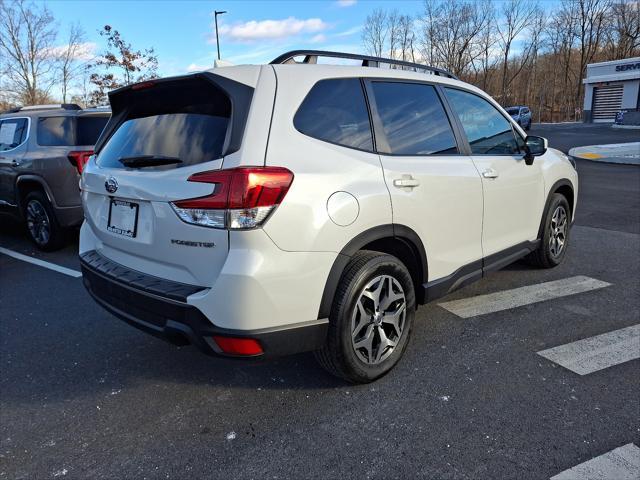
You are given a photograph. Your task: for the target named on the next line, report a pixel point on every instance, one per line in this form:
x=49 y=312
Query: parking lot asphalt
x=565 y=136
x=83 y=395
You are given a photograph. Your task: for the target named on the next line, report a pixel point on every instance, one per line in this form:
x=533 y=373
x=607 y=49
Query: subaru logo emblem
x=111 y=185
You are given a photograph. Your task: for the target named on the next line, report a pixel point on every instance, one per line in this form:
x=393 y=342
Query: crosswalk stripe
x=518 y=297
x=623 y=463
x=596 y=353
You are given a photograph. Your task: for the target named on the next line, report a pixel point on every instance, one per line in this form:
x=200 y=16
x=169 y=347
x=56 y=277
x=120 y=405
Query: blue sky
x=254 y=31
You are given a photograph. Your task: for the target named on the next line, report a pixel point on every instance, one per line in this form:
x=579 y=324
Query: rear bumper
x=159 y=307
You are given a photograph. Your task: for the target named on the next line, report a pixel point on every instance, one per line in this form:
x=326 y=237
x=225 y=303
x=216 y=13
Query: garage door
x=607 y=101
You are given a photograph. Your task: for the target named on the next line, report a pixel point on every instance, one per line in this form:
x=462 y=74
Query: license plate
x=123 y=218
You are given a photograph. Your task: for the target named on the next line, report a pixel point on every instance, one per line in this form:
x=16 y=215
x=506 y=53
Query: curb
x=627 y=153
x=626 y=127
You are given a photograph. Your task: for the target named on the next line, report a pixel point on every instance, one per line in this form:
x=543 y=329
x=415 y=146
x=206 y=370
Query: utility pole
x=215 y=15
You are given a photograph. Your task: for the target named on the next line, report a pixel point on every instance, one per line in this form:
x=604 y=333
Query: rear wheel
x=555 y=234
x=371 y=318
x=42 y=224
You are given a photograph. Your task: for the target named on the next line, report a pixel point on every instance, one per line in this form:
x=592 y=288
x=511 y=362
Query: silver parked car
x=43 y=150
x=521 y=114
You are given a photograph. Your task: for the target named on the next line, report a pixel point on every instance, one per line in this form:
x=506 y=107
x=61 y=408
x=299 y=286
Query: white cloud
x=320 y=38
x=346 y=3
x=349 y=32
x=84 y=51
x=271 y=29
x=195 y=67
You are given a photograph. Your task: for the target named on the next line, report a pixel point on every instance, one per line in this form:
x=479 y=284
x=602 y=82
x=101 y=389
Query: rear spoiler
x=151 y=92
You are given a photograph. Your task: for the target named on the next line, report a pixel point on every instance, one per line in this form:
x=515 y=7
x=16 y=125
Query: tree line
x=38 y=66
x=518 y=51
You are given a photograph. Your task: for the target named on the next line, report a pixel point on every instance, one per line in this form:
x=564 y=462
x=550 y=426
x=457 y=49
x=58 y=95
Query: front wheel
x=371 y=318
x=555 y=235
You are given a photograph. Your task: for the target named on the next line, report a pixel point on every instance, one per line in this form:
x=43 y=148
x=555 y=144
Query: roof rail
x=311 y=56
x=65 y=106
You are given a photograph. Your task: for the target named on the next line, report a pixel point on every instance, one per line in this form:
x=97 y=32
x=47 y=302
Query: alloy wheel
x=38 y=222
x=559 y=226
x=378 y=319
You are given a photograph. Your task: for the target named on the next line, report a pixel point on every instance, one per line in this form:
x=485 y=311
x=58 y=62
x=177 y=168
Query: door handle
x=490 y=173
x=407 y=181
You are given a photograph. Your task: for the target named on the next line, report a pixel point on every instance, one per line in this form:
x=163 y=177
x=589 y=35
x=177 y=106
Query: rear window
x=70 y=131
x=513 y=111
x=335 y=111
x=188 y=121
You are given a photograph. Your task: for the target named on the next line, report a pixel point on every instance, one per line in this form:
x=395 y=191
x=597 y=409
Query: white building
x=611 y=87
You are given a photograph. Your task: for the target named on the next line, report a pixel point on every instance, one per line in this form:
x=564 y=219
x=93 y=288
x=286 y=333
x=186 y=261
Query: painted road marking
x=596 y=353
x=518 y=297
x=623 y=463
x=41 y=263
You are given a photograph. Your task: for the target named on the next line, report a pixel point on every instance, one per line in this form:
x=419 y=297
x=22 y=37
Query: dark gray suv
x=43 y=149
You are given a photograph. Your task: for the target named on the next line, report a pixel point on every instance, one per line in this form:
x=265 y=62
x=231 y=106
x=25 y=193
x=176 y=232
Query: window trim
x=367 y=106
x=26 y=137
x=380 y=135
x=495 y=105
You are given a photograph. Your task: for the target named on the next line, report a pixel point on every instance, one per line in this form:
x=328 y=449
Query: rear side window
x=90 y=128
x=70 y=131
x=335 y=111
x=413 y=119
x=13 y=131
x=488 y=132
x=56 y=131
x=187 y=121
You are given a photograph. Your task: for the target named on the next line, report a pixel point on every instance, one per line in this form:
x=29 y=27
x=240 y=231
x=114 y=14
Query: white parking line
x=518 y=297
x=41 y=263
x=596 y=353
x=623 y=463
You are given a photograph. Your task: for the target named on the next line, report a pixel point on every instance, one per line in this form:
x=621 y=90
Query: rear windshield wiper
x=148 y=161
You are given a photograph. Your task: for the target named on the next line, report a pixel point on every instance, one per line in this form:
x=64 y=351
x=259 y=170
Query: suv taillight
x=242 y=197
x=79 y=158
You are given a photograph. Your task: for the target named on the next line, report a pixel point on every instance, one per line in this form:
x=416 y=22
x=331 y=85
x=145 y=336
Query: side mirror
x=534 y=147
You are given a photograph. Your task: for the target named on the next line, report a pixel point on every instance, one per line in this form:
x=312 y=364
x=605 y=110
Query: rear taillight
x=242 y=198
x=79 y=159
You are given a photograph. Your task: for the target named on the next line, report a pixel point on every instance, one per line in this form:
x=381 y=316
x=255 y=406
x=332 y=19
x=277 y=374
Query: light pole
x=215 y=15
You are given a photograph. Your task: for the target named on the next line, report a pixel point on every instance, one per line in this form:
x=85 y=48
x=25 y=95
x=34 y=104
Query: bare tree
x=518 y=15
x=68 y=59
x=623 y=32
x=591 y=23
x=374 y=32
x=452 y=33
x=623 y=35
x=27 y=37
x=406 y=37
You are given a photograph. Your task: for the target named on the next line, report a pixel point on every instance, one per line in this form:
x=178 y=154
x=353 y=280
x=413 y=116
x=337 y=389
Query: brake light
x=238 y=346
x=242 y=198
x=79 y=159
x=142 y=85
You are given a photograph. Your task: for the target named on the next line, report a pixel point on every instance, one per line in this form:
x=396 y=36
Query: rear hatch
x=160 y=134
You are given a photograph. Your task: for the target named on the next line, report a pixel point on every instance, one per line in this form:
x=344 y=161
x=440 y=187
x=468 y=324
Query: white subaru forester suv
x=298 y=206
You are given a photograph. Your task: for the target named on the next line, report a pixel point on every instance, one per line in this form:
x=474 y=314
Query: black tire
x=42 y=225
x=528 y=127
x=339 y=355
x=543 y=256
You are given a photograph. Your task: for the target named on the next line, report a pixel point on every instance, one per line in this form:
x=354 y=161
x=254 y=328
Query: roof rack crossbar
x=311 y=56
